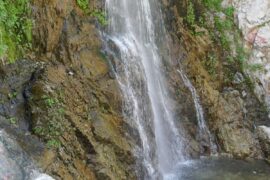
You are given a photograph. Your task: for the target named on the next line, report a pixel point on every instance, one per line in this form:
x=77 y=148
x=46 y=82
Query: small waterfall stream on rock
x=203 y=128
x=15 y=163
x=138 y=69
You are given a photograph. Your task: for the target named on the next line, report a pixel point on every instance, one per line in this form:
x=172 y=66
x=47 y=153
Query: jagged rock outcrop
x=253 y=19
x=73 y=102
x=231 y=108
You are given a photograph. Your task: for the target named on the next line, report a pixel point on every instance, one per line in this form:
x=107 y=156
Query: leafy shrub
x=53 y=143
x=213 y=4
x=101 y=17
x=190 y=14
x=229 y=11
x=83 y=4
x=15 y=28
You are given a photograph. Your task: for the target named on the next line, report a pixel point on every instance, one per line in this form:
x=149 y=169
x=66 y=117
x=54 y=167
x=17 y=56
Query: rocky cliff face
x=67 y=98
x=74 y=102
x=253 y=19
x=69 y=101
x=231 y=107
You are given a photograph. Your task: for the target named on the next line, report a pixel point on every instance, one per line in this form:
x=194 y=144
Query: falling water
x=15 y=163
x=138 y=69
x=203 y=128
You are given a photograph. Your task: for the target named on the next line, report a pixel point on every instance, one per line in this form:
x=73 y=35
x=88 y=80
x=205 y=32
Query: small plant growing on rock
x=255 y=67
x=190 y=14
x=83 y=4
x=213 y=4
x=210 y=64
x=100 y=16
x=229 y=11
x=53 y=143
x=12 y=120
x=51 y=128
x=38 y=130
x=12 y=95
x=50 y=102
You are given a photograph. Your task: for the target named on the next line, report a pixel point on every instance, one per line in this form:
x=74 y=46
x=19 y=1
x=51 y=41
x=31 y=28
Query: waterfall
x=203 y=128
x=15 y=163
x=138 y=69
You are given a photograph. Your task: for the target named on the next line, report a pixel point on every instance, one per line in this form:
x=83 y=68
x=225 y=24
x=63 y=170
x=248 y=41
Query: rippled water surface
x=221 y=169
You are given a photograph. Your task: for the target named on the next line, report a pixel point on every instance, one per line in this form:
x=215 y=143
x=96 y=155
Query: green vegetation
x=213 y=4
x=83 y=4
x=15 y=29
x=12 y=120
x=229 y=11
x=52 y=128
x=190 y=14
x=53 y=143
x=100 y=16
x=229 y=53
x=211 y=63
x=12 y=95
x=255 y=67
x=50 y=102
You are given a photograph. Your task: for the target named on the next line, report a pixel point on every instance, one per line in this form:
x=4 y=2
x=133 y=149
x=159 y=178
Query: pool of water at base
x=220 y=169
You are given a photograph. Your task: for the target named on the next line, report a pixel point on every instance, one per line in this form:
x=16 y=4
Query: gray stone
x=238 y=78
x=263 y=133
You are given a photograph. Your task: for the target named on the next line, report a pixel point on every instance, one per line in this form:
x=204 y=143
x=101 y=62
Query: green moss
x=15 y=28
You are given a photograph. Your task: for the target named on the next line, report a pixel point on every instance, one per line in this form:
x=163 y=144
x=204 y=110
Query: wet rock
x=263 y=133
x=14 y=114
x=15 y=162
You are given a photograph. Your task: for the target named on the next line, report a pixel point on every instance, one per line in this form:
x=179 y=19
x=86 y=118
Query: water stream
x=133 y=43
x=139 y=73
x=204 y=133
x=15 y=164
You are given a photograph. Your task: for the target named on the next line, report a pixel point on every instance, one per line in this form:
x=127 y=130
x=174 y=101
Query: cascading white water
x=14 y=163
x=203 y=128
x=139 y=73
